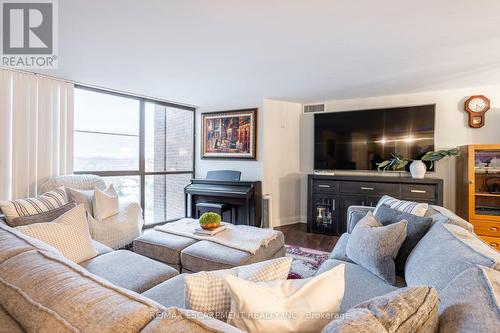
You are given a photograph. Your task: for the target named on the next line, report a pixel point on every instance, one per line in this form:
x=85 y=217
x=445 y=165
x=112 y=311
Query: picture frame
x=229 y=134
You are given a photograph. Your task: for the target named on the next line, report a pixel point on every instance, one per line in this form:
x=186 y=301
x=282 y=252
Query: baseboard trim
x=289 y=220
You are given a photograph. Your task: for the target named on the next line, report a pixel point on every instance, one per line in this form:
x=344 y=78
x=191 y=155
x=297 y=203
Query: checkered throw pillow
x=206 y=292
x=415 y=208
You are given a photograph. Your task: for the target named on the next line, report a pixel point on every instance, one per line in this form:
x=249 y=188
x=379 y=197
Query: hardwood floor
x=296 y=234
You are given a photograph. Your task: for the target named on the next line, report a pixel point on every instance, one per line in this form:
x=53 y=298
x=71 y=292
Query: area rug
x=305 y=261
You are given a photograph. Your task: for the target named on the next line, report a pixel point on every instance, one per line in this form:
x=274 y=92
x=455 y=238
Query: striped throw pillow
x=415 y=208
x=31 y=206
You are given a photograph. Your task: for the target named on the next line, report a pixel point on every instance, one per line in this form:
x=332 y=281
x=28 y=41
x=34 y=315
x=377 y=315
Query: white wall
x=285 y=144
x=250 y=170
x=451 y=128
x=281 y=157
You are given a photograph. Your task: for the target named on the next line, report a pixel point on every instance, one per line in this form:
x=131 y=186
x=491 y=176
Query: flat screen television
x=358 y=140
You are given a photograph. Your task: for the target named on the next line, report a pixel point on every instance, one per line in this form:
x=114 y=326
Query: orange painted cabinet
x=478 y=190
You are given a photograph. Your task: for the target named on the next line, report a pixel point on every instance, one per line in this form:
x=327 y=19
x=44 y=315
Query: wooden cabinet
x=329 y=197
x=478 y=190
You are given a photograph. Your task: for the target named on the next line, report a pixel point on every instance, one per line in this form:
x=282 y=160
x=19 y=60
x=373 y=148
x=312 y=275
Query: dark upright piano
x=244 y=196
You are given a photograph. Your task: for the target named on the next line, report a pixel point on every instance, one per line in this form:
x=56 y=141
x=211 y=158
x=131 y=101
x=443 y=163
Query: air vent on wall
x=314 y=108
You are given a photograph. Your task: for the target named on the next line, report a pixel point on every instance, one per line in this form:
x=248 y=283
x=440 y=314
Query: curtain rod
x=97 y=87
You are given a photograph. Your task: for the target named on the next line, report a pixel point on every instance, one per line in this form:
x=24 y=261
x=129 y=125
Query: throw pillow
x=82 y=197
x=446 y=251
x=304 y=306
x=471 y=302
x=69 y=234
x=401 y=311
x=47 y=216
x=105 y=203
x=339 y=251
x=206 y=291
x=411 y=207
x=416 y=229
x=31 y=206
x=374 y=246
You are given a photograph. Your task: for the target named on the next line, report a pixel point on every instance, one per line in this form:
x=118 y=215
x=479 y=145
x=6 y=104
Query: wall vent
x=314 y=108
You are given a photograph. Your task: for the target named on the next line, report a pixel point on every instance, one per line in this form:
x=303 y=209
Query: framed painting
x=229 y=134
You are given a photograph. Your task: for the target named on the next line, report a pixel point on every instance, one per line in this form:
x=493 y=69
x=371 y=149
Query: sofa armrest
x=355 y=214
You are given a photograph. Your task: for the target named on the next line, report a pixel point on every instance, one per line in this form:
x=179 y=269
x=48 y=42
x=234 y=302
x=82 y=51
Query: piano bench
x=215 y=207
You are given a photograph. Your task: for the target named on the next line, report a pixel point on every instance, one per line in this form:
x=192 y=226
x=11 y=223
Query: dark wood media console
x=330 y=196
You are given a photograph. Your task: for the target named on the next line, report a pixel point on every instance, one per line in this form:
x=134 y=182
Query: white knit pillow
x=105 y=203
x=31 y=206
x=305 y=305
x=206 y=291
x=69 y=234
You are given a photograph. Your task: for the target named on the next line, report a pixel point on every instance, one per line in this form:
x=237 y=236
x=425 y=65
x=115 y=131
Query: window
x=145 y=148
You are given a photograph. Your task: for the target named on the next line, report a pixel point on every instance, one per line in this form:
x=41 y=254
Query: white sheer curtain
x=36 y=132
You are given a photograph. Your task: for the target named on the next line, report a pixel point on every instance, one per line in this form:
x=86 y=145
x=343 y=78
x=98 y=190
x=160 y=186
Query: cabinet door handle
x=418 y=191
x=494 y=244
x=494 y=228
x=362 y=203
x=367 y=188
x=324 y=186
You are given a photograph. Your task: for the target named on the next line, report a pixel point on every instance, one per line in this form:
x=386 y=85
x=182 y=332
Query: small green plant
x=398 y=162
x=210 y=220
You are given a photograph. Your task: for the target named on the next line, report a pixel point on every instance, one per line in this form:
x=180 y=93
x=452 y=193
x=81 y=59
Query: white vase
x=418 y=169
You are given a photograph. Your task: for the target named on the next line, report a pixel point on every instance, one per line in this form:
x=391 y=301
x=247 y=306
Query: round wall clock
x=477 y=106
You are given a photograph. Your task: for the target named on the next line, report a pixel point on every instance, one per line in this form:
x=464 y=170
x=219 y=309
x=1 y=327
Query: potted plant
x=417 y=167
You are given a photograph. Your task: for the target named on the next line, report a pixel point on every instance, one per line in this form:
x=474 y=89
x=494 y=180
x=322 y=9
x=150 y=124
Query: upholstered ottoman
x=209 y=256
x=163 y=247
x=189 y=255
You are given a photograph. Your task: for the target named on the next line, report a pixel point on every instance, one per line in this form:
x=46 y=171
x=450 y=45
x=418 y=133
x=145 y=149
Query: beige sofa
x=41 y=291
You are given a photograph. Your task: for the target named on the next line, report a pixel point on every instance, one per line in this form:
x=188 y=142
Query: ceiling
x=235 y=53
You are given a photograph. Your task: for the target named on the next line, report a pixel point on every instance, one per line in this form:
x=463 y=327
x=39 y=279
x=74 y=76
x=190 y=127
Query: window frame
x=141 y=172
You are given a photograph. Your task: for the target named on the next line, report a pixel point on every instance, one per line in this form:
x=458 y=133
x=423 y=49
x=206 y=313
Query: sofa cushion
x=129 y=270
x=471 y=302
x=48 y=293
x=416 y=229
x=30 y=206
x=401 y=311
x=169 y=293
x=101 y=248
x=374 y=246
x=9 y=324
x=442 y=215
x=47 y=216
x=69 y=233
x=210 y=256
x=339 y=252
x=446 y=251
x=360 y=284
x=415 y=208
x=162 y=246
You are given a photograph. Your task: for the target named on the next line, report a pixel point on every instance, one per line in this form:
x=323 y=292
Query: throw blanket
x=239 y=237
